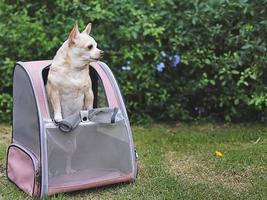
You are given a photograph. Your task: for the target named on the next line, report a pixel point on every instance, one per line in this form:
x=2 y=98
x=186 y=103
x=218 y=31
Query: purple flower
x=160 y=67
x=175 y=60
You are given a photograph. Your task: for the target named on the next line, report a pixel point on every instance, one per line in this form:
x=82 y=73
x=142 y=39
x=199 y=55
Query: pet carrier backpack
x=100 y=149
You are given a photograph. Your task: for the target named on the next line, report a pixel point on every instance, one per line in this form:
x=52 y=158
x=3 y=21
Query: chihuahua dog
x=69 y=87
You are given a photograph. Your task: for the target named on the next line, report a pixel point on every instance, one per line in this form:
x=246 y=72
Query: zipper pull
x=136 y=154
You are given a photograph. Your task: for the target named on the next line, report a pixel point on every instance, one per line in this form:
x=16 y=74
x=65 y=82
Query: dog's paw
x=58 y=118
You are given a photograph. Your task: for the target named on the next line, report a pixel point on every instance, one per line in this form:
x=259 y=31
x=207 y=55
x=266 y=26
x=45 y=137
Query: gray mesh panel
x=96 y=151
x=25 y=115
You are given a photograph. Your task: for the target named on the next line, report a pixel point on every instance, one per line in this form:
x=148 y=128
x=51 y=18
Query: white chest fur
x=72 y=87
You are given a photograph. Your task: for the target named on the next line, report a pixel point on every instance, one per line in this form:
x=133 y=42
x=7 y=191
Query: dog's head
x=82 y=45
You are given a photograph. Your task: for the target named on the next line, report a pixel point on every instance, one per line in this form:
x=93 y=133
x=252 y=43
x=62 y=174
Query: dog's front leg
x=88 y=99
x=55 y=101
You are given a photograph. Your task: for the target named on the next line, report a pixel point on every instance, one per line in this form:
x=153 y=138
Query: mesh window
x=96 y=152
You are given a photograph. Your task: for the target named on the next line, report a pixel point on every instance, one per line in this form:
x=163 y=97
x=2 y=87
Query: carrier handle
x=103 y=115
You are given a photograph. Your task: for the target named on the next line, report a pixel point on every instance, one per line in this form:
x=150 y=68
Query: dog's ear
x=73 y=35
x=88 y=28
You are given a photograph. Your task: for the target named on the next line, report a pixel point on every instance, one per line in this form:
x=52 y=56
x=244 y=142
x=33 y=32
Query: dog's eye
x=90 y=46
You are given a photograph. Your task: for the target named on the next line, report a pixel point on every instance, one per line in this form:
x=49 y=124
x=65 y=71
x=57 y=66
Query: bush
x=174 y=60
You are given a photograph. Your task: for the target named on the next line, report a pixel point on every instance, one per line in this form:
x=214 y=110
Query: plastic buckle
x=84 y=115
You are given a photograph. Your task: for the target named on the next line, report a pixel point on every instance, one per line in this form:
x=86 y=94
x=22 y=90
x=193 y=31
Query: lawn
x=178 y=162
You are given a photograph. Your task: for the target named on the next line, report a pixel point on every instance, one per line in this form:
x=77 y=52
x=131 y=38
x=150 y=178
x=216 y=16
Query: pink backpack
x=43 y=160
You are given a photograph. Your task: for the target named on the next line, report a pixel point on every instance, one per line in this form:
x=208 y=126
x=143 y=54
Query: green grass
x=178 y=162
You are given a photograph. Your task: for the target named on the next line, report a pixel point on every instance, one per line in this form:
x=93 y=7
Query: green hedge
x=174 y=60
